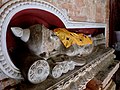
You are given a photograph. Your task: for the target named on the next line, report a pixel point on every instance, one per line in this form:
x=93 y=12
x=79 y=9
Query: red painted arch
x=26 y=18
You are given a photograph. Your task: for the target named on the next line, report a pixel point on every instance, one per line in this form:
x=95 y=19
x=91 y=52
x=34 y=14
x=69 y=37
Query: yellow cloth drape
x=69 y=38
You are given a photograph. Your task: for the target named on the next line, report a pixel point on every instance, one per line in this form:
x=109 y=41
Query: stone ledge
x=79 y=75
x=106 y=74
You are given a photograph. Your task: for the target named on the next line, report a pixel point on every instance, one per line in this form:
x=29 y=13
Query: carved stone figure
x=40 y=40
x=44 y=43
x=63 y=63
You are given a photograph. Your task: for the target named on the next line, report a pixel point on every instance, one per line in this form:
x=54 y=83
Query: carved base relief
x=38 y=71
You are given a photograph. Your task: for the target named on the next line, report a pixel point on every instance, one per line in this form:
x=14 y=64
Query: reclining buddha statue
x=61 y=48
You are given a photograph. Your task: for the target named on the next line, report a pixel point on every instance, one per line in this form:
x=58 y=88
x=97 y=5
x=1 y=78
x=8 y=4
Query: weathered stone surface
x=107 y=72
x=2 y=75
x=93 y=85
x=112 y=86
x=49 y=83
x=8 y=83
x=82 y=10
x=93 y=10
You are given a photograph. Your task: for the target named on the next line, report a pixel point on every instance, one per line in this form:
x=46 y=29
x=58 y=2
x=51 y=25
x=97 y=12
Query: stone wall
x=82 y=10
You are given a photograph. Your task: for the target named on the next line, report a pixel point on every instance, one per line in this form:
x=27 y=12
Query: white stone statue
x=43 y=42
x=40 y=39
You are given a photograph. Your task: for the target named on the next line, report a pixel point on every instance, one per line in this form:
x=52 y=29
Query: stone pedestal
x=100 y=65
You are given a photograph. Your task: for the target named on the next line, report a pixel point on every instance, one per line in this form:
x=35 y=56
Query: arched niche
x=21 y=13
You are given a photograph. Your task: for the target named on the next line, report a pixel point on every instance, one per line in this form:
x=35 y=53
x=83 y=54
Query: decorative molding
x=9 y=9
x=85 y=73
x=38 y=71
